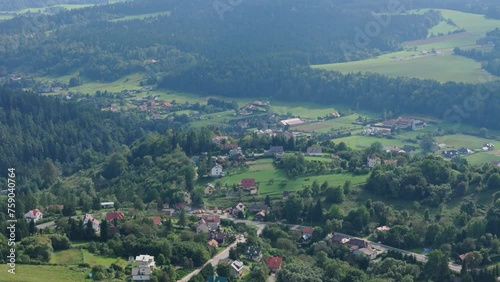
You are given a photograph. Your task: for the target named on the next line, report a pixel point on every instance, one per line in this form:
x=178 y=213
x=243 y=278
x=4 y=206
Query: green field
x=94 y=259
x=461 y=140
x=441 y=67
x=142 y=16
x=482 y=158
x=68 y=257
x=274 y=181
x=5 y=16
x=38 y=273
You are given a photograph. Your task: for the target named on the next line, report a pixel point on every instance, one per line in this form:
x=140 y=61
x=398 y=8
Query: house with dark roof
x=357 y=243
x=314 y=151
x=211 y=218
x=274 y=263
x=276 y=151
x=257 y=207
x=340 y=239
x=253 y=253
x=409 y=149
x=450 y=154
x=286 y=194
x=260 y=216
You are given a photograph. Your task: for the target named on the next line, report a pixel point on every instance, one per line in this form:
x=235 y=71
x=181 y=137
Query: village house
x=257 y=207
x=213 y=243
x=260 y=216
x=495 y=163
x=209 y=189
x=156 y=220
x=464 y=151
x=107 y=205
x=253 y=253
x=450 y=154
x=340 y=239
x=369 y=253
x=236 y=269
x=240 y=207
x=274 y=263
x=314 y=151
x=489 y=146
x=216 y=171
x=218 y=236
x=276 y=151
x=34 y=215
x=141 y=273
x=111 y=216
x=96 y=224
x=285 y=195
x=291 y=122
x=395 y=150
x=219 y=139
x=391 y=162
x=373 y=161
x=146 y=260
x=409 y=149
x=379 y=230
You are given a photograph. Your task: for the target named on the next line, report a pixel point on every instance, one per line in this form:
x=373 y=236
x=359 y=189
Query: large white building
x=35 y=214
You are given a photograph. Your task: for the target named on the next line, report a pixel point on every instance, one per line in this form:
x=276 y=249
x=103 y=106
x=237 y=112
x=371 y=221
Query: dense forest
x=14 y=5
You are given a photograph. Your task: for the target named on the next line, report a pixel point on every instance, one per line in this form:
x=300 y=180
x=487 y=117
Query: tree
x=258 y=273
x=483 y=132
x=49 y=172
x=436 y=267
x=32 y=227
x=299 y=272
x=473 y=260
x=223 y=269
x=104 y=231
x=317 y=212
x=293 y=208
x=182 y=218
x=494 y=181
x=161 y=260
x=427 y=143
x=207 y=271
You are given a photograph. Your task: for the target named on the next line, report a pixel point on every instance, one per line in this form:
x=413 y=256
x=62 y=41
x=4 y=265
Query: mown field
x=442 y=67
x=274 y=181
x=39 y=273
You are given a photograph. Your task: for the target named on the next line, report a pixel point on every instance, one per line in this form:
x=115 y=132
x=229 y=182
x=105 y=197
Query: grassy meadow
x=441 y=67
x=38 y=273
x=142 y=16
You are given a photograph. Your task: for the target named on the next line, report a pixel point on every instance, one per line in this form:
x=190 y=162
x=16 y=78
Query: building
x=291 y=122
x=236 y=269
x=248 y=183
x=34 y=215
x=450 y=154
x=286 y=194
x=357 y=243
x=257 y=207
x=211 y=218
x=369 y=253
x=276 y=151
x=409 y=149
x=237 y=209
x=156 y=220
x=489 y=146
x=219 y=139
x=379 y=230
x=314 y=151
x=146 y=260
x=107 y=205
x=340 y=239
x=253 y=253
x=96 y=224
x=141 y=273
x=209 y=189
x=111 y=216
x=213 y=243
x=260 y=216
x=216 y=171
x=417 y=124
x=464 y=151
x=373 y=161
x=274 y=263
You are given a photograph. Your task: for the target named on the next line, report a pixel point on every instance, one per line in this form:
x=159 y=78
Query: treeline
x=490 y=59
x=283 y=80
x=104 y=50
x=490 y=8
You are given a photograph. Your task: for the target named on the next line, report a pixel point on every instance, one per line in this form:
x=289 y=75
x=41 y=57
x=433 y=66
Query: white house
x=141 y=273
x=35 y=214
x=107 y=205
x=96 y=224
x=146 y=261
x=217 y=171
x=373 y=161
x=236 y=268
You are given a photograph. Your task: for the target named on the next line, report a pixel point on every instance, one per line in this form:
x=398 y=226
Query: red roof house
x=247 y=183
x=156 y=220
x=274 y=263
x=110 y=216
x=307 y=230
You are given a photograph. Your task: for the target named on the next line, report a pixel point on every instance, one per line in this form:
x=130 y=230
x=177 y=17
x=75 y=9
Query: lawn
x=482 y=158
x=274 y=181
x=128 y=82
x=362 y=142
x=94 y=259
x=4 y=17
x=37 y=273
x=469 y=141
x=67 y=257
x=142 y=16
x=443 y=67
